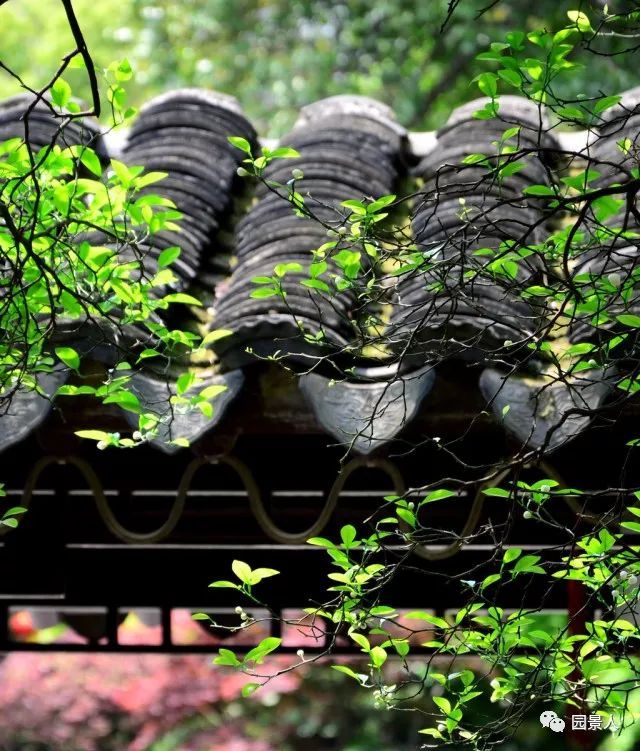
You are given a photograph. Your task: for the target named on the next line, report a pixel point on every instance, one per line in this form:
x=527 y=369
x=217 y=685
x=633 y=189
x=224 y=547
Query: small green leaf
x=15 y=511
x=223 y=585
x=214 y=336
x=212 y=391
x=581 y=20
x=242 y=570
x=93 y=435
x=181 y=297
x=347 y=671
x=539 y=190
x=266 y=646
x=68 y=356
x=510 y=76
x=283 y=152
x=511 y=554
x=378 y=657
x=168 y=256
x=60 y=92
x=487 y=83
x=348 y=534
x=250 y=688
x=91 y=161
x=443 y=704
x=227 y=657
x=240 y=143
x=496 y=492
x=629 y=320
x=438 y=495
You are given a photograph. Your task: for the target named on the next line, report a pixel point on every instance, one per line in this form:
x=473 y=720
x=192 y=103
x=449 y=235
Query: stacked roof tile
x=465 y=217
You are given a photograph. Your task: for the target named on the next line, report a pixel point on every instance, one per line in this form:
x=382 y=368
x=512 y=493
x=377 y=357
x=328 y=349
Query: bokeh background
x=277 y=55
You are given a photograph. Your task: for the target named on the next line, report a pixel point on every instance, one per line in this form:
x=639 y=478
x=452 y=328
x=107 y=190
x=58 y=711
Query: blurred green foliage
x=277 y=55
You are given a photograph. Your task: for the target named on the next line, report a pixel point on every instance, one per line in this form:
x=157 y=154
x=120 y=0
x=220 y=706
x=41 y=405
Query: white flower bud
x=239 y=610
x=297 y=174
x=633 y=580
x=623 y=574
x=137 y=435
x=441 y=728
x=527 y=515
x=102 y=445
x=300 y=654
x=242 y=172
x=544 y=488
x=342 y=230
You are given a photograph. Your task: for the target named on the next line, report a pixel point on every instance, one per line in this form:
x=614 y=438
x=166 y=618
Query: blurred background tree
x=277 y=55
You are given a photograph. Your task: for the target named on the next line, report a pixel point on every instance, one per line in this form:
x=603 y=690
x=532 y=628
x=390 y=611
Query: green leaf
x=581 y=20
x=284 y=152
x=263 y=292
x=606 y=103
x=474 y=159
x=321 y=542
x=258 y=574
x=284 y=268
x=316 y=284
x=511 y=554
x=266 y=646
x=15 y=511
x=242 y=570
x=68 y=356
x=381 y=203
x=60 y=92
x=539 y=190
x=443 y=704
x=378 y=657
x=347 y=671
x=149 y=178
x=528 y=564
x=214 y=336
x=511 y=77
x=496 y=492
x=227 y=657
x=361 y=641
x=125 y=399
x=91 y=161
x=147 y=353
x=629 y=320
x=488 y=84
x=240 y=143
x=93 y=435
x=200 y=617
x=122 y=172
x=223 y=585
x=348 y=534
x=250 y=688
x=422 y=615
x=489 y=580
x=181 y=297
x=438 y=495
x=212 y=391
x=168 y=256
